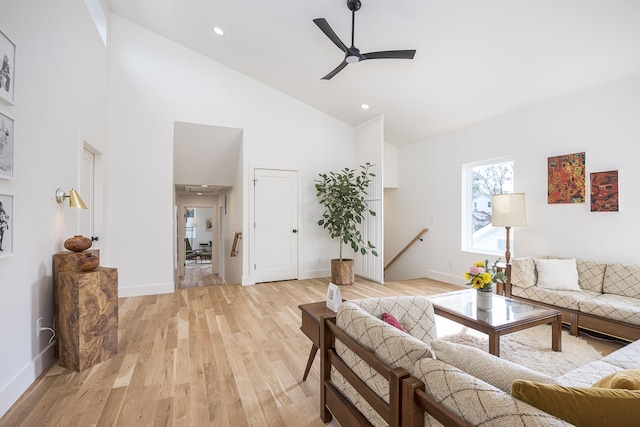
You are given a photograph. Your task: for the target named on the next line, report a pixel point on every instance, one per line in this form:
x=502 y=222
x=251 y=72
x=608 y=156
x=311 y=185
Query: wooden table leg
x=494 y=344
x=556 y=334
x=312 y=356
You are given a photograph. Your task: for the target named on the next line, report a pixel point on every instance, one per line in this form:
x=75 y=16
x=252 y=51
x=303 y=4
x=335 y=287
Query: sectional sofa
x=591 y=295
x=373 y=374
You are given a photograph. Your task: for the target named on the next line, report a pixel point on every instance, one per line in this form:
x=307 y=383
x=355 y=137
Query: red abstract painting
x=566 y=178
x=604 y=191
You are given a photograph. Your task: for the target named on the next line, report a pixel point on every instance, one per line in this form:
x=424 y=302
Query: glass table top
x=503 y=311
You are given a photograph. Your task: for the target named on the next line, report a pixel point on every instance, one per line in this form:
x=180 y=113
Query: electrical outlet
x=451 y=263
x=38 y=326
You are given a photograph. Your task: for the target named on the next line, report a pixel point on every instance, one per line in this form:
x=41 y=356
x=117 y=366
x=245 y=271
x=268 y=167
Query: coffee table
x=506 y=316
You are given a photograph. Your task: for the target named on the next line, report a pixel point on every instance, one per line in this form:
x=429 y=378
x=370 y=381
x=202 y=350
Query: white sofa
x=607 y=299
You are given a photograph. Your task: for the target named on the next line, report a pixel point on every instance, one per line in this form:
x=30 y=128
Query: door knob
x=295 y=231
x=94 y=238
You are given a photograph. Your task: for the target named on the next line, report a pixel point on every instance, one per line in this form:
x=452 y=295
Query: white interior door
x=275 y=234
x=86 y=219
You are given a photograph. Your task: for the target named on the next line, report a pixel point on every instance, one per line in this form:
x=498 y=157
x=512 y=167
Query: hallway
x=198 y=274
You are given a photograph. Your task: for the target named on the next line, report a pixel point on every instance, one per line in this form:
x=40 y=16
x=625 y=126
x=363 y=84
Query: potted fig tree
x=343 y=196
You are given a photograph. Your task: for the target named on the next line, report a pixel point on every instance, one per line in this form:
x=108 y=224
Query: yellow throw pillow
x=628 y=379
x=582 y=406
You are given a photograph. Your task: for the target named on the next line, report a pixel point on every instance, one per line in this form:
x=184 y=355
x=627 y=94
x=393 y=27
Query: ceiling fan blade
x=326 y=28
x=389 y=54
x=335 y=71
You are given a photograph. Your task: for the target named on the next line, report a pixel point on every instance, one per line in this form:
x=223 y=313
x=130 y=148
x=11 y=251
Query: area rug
x=530 y=347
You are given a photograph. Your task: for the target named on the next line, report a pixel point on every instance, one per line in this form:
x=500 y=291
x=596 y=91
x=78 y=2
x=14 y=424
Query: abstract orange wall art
x=604 y=191
x=566 y=178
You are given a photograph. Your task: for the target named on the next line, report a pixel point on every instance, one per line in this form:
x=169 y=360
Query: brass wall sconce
x=75 y=201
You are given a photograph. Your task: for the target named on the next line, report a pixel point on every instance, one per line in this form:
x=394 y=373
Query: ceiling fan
x=352 y=54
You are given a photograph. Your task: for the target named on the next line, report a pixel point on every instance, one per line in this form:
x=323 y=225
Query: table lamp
x=508 y=210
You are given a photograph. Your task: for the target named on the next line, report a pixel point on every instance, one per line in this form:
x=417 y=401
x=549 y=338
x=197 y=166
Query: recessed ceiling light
x=204 y=186
x=198 y=194
x=218 y=31
x=365 y=106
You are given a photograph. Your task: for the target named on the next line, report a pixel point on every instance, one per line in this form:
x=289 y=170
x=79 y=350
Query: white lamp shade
x=192 y=222
x=508 y=210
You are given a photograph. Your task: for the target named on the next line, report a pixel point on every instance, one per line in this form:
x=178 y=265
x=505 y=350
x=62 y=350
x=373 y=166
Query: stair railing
x=415 y=239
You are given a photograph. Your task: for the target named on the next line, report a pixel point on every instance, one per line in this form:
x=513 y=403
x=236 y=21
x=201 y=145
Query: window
x=480 y=181
x=99 y=18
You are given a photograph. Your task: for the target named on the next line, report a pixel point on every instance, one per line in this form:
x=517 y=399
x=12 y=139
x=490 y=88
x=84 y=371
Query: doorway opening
x=200 y=235
x=206 y=168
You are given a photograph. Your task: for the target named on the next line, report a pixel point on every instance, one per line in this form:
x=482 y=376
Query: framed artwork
x=6 y=225
x=566 y=178
x=208 y=223
x=6 y=147
x=604 y=191
x=7 y=69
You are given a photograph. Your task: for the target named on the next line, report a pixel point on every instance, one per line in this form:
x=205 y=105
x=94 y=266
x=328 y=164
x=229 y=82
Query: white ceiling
x=475 y=59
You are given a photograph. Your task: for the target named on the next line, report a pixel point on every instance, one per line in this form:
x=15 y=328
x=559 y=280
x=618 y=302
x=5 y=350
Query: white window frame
x=467 y=241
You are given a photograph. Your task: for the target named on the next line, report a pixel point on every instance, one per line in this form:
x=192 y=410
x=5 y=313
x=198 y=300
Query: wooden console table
x=312 y=314
x=86 y=307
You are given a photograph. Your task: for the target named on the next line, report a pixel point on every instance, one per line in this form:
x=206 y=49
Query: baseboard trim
x=315 y=274
x=447 y=278
x=11 y=392
x=137 y=291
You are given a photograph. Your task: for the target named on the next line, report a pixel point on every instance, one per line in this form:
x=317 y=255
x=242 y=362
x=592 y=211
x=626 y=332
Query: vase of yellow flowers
x=482 y=277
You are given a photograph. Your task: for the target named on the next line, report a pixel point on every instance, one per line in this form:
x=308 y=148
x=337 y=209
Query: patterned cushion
x=622 y=280
x=393 y=347
x=590 y=275
x=498 y=372
x=614 y=307
x=479 y=403
x=564 y=299
x=415 y=313
x=523 y=272
x=361 y=320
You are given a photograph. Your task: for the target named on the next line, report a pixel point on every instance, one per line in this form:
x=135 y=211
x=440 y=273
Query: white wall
x=603 y=122
x=61 y=97
x=155 y=82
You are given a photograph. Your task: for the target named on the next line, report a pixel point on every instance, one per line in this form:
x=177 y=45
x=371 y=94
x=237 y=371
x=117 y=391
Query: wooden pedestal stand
x=86 y=306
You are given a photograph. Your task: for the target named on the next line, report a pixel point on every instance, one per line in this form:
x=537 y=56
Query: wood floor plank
x=220 y=355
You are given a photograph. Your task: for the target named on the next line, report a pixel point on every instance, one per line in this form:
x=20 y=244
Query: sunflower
x=478 y=282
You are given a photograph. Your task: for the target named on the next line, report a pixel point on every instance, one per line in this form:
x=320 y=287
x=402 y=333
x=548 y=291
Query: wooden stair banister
x=415 y=239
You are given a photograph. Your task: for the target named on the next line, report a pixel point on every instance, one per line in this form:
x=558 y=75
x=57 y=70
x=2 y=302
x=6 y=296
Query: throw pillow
x=627 y=379
x=557 y=274
x=500 y=373
x=392 y=321
x=582 y=406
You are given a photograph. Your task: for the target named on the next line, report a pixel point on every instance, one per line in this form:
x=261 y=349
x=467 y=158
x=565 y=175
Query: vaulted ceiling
x=475 y=59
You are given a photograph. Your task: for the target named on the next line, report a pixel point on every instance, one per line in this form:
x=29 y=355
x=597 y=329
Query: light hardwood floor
x=199 y=274
x=223 y=355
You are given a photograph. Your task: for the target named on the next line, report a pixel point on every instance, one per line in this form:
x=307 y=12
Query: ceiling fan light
x=352 y=59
